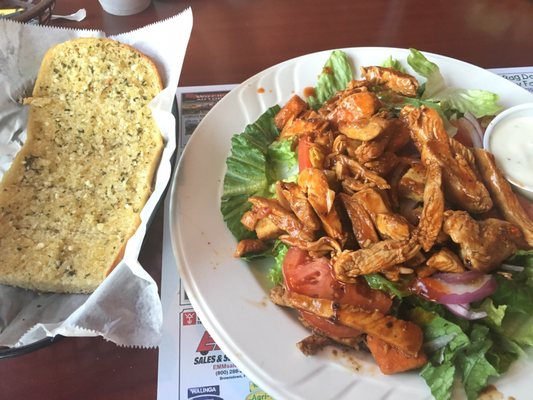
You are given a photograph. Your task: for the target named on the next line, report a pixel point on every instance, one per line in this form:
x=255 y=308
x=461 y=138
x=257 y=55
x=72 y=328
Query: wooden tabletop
x=231 y=41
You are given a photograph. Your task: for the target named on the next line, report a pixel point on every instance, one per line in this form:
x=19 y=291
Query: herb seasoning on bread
x=73 y=194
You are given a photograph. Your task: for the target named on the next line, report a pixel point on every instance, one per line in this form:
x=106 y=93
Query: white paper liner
x=125 y=308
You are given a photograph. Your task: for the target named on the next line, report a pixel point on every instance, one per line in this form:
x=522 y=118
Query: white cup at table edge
x=124 y=7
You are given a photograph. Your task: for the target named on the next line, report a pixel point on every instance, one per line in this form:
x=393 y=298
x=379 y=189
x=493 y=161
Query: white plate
x=231 y=297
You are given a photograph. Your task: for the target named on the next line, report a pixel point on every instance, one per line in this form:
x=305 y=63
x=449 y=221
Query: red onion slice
x=478 y=130
x=460 y=288
x=464 y=311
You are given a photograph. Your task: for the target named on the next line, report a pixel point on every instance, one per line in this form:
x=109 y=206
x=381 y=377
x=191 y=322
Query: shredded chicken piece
x=322 y=245
x=284 y=219
x=265 y=229
x=503 y=195
x=301 y=127
x=388 y=224
x=365 y=129
x=460 y=150
x=483 y=244
x=376 y=258
x=360 y=172
x=393 y=79
x=249 y=246
x=411 y=184
x=400 y=135
x=392 y=226
x=445 y=260
x=384 y=164
x=294 y=107
x=357 y=106
x=314 y=183
x=372 y=149
x=363 y=227
x=433 y=210
x=460 y=182
x=298 y=203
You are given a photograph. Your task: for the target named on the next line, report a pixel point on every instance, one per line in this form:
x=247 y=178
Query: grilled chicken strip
x=314 y=183
x=364 y=129
x=376 y=258
x=433 y=210
x=393 y=79
x=411 y=184
x=284 y=219
x=384 y=164
x=360 y=105
x=390 y=360
x=249 y=246
x=404 y=335
x=301 y=127
x=323 y=245
x=372 y=149
x=445 y=260
x=503 y=195
x=388 y=224
x=294 y=107
x=460 y=181
x=483 y=244
x=358 y=171
x=297 y=201
x=363 y=227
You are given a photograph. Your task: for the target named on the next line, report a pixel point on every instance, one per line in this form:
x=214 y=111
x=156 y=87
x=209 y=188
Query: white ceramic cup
x=522 y=110
x=124 y=7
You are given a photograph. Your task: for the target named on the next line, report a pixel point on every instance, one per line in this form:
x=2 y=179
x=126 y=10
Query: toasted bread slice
x=73 y=194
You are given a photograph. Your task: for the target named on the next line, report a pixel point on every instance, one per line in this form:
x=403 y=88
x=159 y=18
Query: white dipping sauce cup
x=502 y=138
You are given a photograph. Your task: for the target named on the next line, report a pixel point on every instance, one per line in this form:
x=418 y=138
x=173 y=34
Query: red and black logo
x=206 y=344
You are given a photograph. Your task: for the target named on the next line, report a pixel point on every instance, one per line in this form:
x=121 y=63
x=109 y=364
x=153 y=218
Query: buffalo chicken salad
x=390 y=229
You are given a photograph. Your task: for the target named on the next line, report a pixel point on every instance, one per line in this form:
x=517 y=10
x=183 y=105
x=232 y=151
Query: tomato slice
x=314 y=278
x=328 y=327
x=304 y=161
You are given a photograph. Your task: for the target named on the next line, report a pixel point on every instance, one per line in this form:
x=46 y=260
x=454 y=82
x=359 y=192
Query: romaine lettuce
x=477 y=102
x=394 y=64
x=256 y=161
x=336 y=74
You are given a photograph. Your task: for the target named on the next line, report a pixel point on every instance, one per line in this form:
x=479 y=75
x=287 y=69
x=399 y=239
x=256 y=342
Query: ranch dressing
x=511 y=142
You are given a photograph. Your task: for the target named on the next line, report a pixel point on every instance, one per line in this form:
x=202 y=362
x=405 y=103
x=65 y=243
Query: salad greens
x=336 y=74
x=477 y=102
x=476 y=351
x=256 y=162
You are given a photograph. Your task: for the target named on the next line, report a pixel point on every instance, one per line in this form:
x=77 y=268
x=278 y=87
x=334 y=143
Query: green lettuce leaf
x=515 y=292
x=475 y=368
x=279 y=251
x=477 y=102
x=495 y=314
x=255 y=162
x=282 y=161
x=394 y=64
x=439 y=379
x=435 y=326
x=503 y=352
x=379 y=282
x=335 y=75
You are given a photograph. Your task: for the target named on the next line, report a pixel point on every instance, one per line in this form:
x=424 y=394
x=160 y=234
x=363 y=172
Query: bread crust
x=73 y=195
